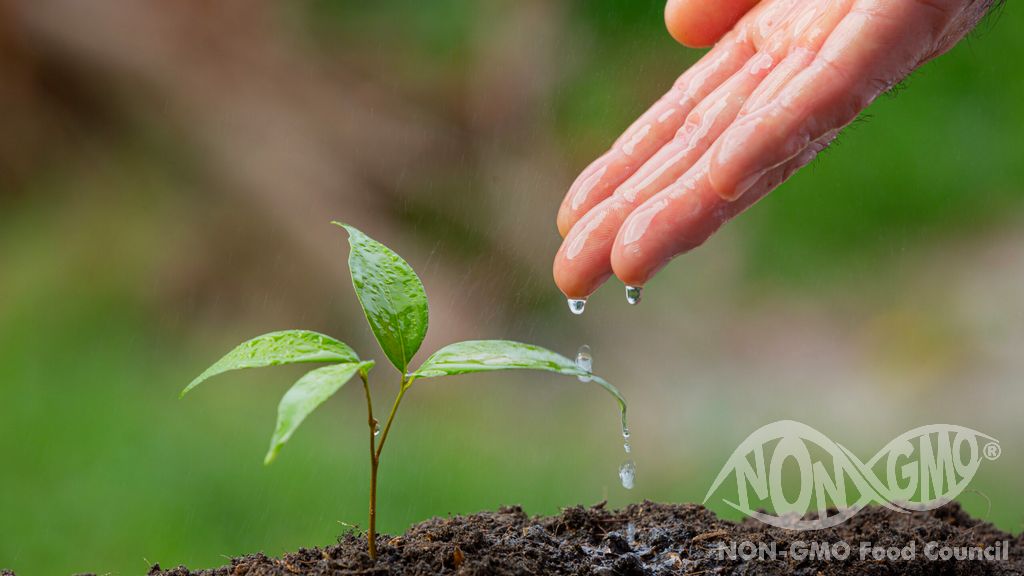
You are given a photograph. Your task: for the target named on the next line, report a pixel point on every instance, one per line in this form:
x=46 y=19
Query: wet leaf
x=305 y=395
x=276 y=348
x=391 y=295
x=489 y=355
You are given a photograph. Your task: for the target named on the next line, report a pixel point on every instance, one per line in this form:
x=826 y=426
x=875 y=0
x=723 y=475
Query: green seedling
x=395 y=304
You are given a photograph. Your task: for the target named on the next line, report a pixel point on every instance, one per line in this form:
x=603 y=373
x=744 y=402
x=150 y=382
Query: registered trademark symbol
x=992 y=450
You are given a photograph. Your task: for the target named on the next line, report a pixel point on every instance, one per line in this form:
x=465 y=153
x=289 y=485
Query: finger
x=791 y=118
x=580 y=266
x=636 y=145
x=683 y=216
x=582 y=263
x=702 y=126
x=651 y=131
x=870 y=48
x=698 y=23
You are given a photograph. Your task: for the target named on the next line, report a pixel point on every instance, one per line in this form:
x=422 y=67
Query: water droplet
x=627 y=473
x=629 y=467
x=633 y=294
x=576 y=305
x=585 y=362
x=376 y=429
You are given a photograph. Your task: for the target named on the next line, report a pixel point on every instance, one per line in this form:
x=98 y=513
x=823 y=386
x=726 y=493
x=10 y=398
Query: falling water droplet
x=627 y=473
x=376 y=429
x=585 y=362
x=576 y=305
x=633 y=294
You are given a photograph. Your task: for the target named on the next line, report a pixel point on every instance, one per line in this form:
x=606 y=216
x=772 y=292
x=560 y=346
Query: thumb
x=699 y=23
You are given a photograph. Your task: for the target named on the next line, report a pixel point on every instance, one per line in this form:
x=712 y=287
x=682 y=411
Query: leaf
x=305 y=395
x=276 y=348
x=392 y=297
x=489 y=355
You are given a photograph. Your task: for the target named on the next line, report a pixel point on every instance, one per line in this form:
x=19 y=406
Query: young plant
x=395 y=304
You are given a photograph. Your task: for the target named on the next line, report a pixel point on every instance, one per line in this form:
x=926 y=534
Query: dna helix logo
x=921 y=469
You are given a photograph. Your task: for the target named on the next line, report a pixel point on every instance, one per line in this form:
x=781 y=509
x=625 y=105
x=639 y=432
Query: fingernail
x=741 y=187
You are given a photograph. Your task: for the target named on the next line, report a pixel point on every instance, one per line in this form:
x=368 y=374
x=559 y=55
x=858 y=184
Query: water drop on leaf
x=585 y=362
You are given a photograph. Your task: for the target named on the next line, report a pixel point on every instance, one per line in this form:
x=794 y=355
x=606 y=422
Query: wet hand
x=783 y=78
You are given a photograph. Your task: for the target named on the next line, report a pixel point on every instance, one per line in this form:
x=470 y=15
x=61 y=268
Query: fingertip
x=581 y=264
x=573 y=283
x=635 y=272
x=566 y=280
x=630 y=266
x=631 y=275
x=681 y=26
x=701 y=23
x=634 y=257
x=563 y=222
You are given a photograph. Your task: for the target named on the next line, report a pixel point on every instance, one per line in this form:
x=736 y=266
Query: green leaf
x=275 y=348
x=305 y=395
x=392 y=297
x=490 y=355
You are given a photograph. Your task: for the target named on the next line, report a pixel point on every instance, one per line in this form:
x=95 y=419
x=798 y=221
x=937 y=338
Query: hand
x=784 y=77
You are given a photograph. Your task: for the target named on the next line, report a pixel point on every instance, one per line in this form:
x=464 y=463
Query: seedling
x=395 y=304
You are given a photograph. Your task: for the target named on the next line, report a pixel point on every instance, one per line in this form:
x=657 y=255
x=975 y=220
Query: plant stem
x=375 y=450
x=375 y=456
x=391 y=416
x=372 y=535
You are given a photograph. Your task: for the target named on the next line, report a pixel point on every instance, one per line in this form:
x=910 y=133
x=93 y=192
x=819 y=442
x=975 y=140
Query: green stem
x=372 y=534
x=375 y=454
x=391 y=416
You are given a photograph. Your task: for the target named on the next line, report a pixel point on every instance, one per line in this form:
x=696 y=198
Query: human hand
x=784 y=77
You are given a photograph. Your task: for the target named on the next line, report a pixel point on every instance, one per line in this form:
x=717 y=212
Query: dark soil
x=643 y=539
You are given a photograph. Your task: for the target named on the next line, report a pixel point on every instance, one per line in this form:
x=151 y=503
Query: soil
x=642 y=539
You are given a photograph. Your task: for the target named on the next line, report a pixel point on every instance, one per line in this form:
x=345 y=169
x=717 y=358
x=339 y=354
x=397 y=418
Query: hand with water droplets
x=783 y=78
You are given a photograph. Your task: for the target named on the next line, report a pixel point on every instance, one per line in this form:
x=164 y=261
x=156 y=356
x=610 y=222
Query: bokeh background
x=167 y=174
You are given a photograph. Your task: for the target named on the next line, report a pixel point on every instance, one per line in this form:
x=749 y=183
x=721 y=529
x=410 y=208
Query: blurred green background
x=167 y=175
